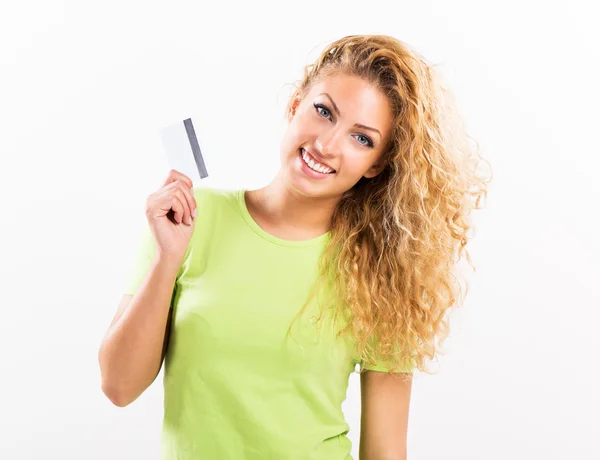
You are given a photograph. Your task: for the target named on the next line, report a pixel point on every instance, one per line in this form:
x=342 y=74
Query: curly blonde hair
x=396 y=238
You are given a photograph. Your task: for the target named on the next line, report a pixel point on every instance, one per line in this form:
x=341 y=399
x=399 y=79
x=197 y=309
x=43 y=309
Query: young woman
x=268 y=299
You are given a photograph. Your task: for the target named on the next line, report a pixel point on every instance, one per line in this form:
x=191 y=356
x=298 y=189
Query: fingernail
x=195 y=213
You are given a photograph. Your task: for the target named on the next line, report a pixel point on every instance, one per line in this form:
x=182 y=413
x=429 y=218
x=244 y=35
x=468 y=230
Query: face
x=342 y=127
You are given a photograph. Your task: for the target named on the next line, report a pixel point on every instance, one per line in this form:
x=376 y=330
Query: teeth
x=314 y=165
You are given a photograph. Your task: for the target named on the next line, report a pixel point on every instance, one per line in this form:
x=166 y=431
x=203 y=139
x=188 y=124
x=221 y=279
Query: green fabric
x=235 y=385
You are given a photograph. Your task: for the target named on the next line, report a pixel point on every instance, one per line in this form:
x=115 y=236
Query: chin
x=311 y=190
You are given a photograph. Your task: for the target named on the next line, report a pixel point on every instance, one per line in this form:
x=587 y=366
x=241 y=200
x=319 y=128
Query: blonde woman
x=269 y=299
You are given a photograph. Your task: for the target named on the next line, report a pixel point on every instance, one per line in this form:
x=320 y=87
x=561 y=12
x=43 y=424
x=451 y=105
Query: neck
x=288 y=209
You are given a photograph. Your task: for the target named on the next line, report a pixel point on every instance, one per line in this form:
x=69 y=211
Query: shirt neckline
x=241 y=200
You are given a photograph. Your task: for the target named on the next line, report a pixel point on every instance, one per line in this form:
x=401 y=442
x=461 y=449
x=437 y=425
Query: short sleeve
x=382 y=365
x=142 y=260
x=145 y=248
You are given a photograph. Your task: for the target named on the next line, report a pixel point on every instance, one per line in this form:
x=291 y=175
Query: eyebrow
x=358 y=125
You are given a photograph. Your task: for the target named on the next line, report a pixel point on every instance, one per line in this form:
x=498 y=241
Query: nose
x=327 y=142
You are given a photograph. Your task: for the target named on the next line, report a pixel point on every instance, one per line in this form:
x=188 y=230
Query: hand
x=170 y=212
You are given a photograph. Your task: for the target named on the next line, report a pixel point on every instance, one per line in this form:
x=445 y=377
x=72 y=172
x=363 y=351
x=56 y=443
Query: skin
x=295 y=206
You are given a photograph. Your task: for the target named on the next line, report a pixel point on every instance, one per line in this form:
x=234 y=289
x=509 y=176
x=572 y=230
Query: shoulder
x=215 y=201
x=214 y=196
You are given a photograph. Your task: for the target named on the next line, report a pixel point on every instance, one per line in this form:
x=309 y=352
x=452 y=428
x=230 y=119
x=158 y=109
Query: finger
x=187 y=212
x=190 y=199
x=176 y=175
x=177 y=207
x=187 y=196
x=178 y=183
x=163 y=203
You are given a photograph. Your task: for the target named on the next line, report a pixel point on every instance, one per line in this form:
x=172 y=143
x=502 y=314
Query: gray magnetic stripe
x=189 y=128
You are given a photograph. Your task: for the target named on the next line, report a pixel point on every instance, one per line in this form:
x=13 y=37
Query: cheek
x=291 y=141
x=352 y=162
x=295 y=133
x=303 y=128
x=288 y=149
x=355 y=165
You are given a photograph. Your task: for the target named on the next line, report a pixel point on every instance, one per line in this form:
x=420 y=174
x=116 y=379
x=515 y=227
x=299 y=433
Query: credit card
x=183 y=149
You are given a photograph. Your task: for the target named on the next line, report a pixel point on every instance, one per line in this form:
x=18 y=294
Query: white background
x=85 y=88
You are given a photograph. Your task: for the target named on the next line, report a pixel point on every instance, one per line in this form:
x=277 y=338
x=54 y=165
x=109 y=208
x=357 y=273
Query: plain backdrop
x=85 y=88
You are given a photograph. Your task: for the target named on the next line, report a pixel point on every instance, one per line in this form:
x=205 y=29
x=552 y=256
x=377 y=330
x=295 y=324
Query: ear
x=375 y=169
x=294 y=106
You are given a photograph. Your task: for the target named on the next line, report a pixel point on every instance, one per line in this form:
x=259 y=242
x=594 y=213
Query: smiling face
x=341 y=127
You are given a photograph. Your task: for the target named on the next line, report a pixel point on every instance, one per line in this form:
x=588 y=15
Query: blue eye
x=319 y=107
x=369 y=141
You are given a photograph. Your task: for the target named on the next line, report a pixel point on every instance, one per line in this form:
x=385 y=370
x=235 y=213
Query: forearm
x=130 y=355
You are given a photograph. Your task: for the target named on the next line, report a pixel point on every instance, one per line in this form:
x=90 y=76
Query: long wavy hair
x=396 y=238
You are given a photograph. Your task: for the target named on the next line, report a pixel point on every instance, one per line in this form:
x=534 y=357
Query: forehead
x=357 y=99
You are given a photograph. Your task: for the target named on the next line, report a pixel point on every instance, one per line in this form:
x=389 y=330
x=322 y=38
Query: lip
x=309 y=171
x=316 y=159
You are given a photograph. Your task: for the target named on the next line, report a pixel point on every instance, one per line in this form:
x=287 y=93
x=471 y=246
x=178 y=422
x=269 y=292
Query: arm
x=385 y=402
x=132 y=350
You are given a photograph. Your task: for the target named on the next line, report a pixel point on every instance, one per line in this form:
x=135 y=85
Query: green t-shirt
x=236 y=386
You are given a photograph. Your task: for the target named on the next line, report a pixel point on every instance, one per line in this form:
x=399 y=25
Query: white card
x=183 y=150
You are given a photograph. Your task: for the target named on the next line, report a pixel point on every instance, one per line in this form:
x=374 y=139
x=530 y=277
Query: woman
x=276 y=294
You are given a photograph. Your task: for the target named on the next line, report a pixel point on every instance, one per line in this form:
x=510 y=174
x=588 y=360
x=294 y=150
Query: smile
x=314 y=164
